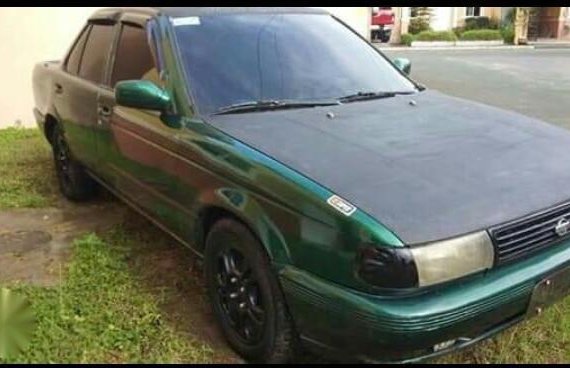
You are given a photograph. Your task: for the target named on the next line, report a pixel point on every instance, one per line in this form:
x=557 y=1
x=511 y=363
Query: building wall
x=486 y=11
x=492 y=12
x=550 y=22
x=27 y=36
x=442 y=18
x=505 y=11
x=566 y=23
x=358 y=18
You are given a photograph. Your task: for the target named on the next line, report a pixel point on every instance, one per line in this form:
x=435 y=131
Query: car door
x=77 y=87
x=135 y=144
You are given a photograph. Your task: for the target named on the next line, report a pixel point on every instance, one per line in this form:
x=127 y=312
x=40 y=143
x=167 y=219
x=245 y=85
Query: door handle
x=58 y=89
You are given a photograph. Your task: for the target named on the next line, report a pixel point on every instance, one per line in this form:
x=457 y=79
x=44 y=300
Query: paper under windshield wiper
x=361 y=96
x=272 y=105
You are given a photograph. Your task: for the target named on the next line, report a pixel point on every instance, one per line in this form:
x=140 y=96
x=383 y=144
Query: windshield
x=235 y=58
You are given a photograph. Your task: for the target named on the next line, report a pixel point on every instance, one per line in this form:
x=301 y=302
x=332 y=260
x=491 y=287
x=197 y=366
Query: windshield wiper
x=362 y=96
x=272 y=105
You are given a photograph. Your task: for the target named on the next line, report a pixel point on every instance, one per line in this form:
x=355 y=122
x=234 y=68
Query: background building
x=545 y=22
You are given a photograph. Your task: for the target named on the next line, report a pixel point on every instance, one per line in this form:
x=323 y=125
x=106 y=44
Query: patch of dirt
x=34 y=243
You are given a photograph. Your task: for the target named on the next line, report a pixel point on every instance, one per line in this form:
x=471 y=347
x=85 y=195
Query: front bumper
x=405 y=329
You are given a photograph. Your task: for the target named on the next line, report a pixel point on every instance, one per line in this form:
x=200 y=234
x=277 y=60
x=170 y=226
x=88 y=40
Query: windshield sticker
x=341 y=205
x=186 y=21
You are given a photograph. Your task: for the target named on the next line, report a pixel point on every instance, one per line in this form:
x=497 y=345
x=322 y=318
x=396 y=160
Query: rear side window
x=133 y=59
x=96 y=51
x=74 y=57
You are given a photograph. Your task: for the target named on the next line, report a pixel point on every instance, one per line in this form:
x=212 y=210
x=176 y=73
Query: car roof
x=114 y=13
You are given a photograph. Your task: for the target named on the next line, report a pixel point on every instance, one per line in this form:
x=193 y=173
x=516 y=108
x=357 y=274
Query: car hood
x=427 y=166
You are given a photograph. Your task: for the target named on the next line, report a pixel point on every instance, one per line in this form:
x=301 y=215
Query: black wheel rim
x=62 y=160
x=239 y=295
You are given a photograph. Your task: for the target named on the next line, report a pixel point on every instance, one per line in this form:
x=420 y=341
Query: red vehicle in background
x=382 y=23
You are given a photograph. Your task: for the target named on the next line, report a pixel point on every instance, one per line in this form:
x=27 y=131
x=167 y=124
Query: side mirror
x=142 y=94
x=403 y=64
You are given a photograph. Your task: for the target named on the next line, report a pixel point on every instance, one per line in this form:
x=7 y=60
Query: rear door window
x=74 y=58
x=96 y=52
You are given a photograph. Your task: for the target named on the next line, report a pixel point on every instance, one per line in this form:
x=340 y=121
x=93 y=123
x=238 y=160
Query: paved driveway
x=534 y=82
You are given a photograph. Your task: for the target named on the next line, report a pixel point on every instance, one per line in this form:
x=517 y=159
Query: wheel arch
x=251 y=215
x=49 y=124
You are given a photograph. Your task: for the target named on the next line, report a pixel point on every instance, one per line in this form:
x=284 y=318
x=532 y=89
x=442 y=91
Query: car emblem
x=562 y=227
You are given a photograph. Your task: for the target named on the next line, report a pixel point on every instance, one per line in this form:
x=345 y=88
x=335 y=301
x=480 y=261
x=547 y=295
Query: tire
x=74 y=182
x=375 y=35
x=243 y=289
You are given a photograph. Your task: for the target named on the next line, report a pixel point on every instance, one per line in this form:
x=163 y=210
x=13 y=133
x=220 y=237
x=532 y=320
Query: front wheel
x=245 y=295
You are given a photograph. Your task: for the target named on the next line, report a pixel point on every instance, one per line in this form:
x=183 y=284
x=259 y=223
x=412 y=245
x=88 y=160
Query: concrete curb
x=456 y=48
x=552 y=46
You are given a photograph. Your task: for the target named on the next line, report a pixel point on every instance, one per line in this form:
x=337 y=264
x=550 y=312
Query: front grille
x=525 y=236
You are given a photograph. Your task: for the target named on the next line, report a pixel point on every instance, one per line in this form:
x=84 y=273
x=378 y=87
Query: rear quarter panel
x=42 y=77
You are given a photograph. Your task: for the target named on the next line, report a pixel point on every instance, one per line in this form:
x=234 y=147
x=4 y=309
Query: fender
x=246 y=208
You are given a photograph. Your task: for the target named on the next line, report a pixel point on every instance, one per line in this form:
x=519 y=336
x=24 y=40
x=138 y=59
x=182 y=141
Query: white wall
x=442 y=18
x=27 y=36
x=359 y=18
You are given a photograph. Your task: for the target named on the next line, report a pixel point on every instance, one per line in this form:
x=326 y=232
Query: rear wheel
x=245 y=295
x=385 y=36
x=375 y=35
x=74 y=182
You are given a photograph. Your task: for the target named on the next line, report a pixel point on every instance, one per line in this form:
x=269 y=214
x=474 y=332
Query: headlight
x=426 y=264
x=450 y=259
x=387 y=267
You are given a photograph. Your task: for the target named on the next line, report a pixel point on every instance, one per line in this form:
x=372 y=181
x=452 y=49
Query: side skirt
x=146 y=215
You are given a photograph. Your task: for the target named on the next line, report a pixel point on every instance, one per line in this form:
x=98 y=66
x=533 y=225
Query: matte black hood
x=440 y=168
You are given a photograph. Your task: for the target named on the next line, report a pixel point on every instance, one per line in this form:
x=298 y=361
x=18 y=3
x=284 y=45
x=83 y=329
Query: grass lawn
x=100 y=313
x=116 y=302
x=543 y=339
x=26 y=178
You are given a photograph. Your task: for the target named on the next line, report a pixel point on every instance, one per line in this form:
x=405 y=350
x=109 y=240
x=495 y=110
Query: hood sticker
x=341 y=205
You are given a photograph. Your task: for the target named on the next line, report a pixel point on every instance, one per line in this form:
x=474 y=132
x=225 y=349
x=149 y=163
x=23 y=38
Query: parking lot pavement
x=534 y=82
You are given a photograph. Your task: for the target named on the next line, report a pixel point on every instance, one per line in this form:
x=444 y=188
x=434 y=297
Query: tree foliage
x=420 y=19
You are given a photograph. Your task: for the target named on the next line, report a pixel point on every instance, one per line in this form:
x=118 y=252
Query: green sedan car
x=336 y=203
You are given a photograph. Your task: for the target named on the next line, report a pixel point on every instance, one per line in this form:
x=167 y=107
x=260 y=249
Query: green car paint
x=182 y=172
